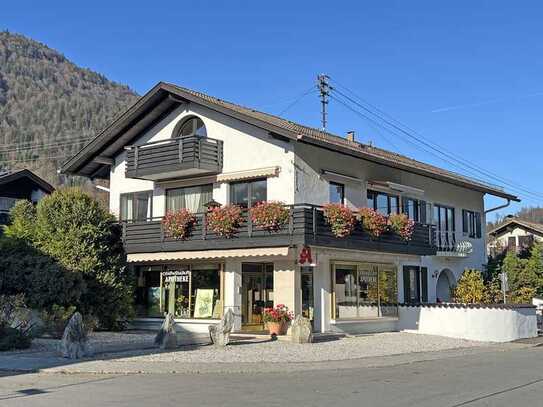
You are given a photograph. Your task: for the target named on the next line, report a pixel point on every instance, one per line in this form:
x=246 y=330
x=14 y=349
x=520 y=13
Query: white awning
x=208 y=254
x=249 y=174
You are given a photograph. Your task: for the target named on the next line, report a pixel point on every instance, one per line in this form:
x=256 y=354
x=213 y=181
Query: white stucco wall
x=479 y=324
x=246 y=147
x=503 y=239
x=312 y=187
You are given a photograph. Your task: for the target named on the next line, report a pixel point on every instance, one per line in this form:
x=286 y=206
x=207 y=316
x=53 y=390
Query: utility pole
x=324 y=89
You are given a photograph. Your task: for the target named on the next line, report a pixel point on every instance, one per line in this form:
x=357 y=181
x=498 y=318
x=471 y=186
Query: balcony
x=175 y=158
x=452 y=244
x=306 y=226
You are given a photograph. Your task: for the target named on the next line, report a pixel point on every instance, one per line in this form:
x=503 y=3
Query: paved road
x=510 y=378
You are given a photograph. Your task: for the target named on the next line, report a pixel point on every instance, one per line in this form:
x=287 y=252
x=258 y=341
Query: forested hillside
x=49 y=107
x=529 y=213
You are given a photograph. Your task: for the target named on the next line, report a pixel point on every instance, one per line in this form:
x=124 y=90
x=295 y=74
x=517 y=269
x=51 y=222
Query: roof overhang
x=17 y=175
x=163 y=98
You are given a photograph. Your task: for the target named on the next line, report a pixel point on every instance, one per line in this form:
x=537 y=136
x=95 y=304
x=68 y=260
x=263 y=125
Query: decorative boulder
x=74 y=344
x=166 y=338
x=300 y=330
x=220 y=333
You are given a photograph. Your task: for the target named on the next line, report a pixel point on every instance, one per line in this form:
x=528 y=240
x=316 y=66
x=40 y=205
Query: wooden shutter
x=424 y=279
x=478 y=232
x=406 y=286
x=465 y=221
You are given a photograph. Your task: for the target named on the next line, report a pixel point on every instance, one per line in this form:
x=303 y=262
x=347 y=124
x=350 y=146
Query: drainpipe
x=505 y=205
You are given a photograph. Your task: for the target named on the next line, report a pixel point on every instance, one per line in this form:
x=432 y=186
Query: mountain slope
x=49 y=107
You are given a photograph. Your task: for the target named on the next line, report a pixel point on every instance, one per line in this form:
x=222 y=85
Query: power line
x=43 y=147
x=297 y=100
x=438 y=150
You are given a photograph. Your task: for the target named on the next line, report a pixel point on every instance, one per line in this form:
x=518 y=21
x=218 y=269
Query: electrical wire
x=297 y=100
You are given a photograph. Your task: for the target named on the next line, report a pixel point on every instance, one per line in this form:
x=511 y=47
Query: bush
x=373 y=222
x=55 y=319
x=22 y=220
x=270 y=216
x=470 y=288
x=340 y=218
x=80 y=235
x=25 y=270
x=224 y=220
x=179 y=223
x=15 y=323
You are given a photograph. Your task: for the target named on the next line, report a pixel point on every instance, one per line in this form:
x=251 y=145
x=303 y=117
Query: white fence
x=493 y=323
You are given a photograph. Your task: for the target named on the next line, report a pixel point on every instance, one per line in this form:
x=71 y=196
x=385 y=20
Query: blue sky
x=466 y=75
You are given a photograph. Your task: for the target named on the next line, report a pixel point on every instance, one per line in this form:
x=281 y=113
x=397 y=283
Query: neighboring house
x=514 y=234
x=177 y=148
x=20 y=184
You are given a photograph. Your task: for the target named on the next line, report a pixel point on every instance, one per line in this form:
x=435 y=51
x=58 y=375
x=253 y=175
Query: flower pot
x=275 y=328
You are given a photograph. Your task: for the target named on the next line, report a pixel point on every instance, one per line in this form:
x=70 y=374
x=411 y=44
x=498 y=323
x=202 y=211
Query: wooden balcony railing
x=177 y=157
x=306 y=226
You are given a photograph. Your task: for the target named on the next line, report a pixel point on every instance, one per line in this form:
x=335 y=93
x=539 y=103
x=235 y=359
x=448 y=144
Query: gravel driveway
x=283 y=351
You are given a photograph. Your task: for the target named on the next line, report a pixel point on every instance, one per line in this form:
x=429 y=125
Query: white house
x=514 y=234
x=177 y=148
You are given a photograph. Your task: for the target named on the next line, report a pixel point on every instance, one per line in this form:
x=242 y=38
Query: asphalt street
x=501 y=378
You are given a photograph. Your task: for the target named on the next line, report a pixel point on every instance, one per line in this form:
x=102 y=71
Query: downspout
x=505 y=205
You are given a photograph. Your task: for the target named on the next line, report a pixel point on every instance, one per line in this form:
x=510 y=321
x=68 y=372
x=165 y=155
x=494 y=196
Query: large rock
x=75 y=342
x=220 y=333
x=166 y=338
x=300 y=330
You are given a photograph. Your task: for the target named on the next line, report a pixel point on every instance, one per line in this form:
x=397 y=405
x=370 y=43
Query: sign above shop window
x=176 y=276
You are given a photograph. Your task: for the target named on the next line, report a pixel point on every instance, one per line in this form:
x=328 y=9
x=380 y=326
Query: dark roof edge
x=93 y=147
x=15 y=175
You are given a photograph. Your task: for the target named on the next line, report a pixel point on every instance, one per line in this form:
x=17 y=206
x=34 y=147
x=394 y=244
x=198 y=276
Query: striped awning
x=208 y=254
x=248 y=174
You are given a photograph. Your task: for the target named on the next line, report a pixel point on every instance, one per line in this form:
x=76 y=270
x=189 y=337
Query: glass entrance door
x=307 y=292
x=256 y=294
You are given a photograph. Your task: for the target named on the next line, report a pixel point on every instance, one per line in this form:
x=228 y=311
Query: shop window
x=136 y=206
x=364 y=290
x=184 y=291
x=247 y=194
x=191 y=198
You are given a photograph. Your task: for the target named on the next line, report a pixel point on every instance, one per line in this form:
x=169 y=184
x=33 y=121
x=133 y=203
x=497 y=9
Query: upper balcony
x=174 y=158
x=306 y=226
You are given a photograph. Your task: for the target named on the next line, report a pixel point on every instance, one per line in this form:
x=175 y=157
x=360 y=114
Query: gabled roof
x=536 y=228
x=164 y=98
x=8 y=176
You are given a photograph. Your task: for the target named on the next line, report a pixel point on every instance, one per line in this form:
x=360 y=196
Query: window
x=192 y=127
x=525 y=242
x=337 y=193
x=471 y=223
x=415 y=284
x=363 y=290
x=247 y=194
x=412 y=208
x=444 y=218
x=136 y=205
x=191 y=198
x=185 y=291
x=383 y=203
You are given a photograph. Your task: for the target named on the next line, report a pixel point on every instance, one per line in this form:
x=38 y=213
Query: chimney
x=350 y=135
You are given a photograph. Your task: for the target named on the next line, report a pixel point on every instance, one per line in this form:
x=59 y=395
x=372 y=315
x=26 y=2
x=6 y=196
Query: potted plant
x=373 y=222
x=270 y=216
x=400 y=224
x=276 y=319
x=340 y=218
x=224 y=220
x=179 y=224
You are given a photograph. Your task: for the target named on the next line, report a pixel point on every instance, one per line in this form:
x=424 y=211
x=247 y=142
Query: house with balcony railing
x=224 y=207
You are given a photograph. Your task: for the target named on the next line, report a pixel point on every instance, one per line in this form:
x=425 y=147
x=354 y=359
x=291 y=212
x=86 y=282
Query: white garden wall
x=480 y=323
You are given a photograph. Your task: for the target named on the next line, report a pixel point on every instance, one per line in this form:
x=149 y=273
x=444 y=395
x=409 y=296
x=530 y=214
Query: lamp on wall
x=435 y=274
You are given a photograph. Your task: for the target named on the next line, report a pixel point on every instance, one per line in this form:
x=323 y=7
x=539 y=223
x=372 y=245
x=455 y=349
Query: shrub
x=224 y=220
x=56 y=318
x=374 y=223
x=22 y=220
x=179 y=223
x=400 y=224
x=80 y=235
x=470 y=288
x=15 y=323
x=270 y=216
x=523 y=295
x=340 y=218
x=26 y=270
